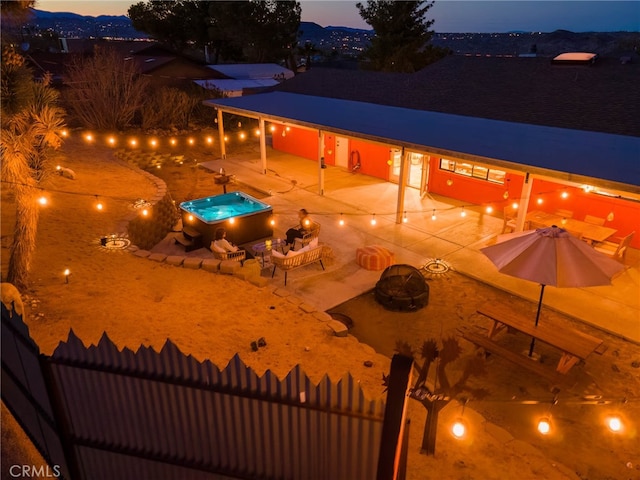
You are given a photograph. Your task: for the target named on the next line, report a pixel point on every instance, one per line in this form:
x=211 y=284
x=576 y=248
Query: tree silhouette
x=435 y=395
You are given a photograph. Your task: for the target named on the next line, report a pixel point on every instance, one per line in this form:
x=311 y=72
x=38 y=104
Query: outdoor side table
x=267 y=246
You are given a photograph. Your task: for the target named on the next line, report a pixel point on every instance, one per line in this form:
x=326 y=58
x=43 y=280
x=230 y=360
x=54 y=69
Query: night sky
x=450 y=15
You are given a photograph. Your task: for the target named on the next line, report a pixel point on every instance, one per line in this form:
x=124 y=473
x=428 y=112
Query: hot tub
x=245 y=218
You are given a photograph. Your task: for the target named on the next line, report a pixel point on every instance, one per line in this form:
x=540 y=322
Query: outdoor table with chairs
x=587 y=231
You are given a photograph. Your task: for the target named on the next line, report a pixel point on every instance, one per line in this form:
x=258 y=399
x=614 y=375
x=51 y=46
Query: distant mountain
x=72 y=25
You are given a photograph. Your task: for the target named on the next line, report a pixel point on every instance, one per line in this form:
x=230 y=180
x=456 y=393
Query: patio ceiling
x=599 y=159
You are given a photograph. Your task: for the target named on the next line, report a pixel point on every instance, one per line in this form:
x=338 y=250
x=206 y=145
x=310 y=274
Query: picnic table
x=575 y=345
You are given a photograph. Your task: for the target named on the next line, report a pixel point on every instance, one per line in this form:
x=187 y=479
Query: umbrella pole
x=533 y=339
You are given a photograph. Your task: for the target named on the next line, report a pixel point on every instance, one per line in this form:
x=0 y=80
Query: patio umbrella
x=551 y=256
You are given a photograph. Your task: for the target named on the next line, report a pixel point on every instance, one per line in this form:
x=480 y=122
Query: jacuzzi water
x=222 y=207
x=244 y=217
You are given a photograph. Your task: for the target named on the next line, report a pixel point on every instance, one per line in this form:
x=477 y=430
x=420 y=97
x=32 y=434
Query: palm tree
x=26 y=140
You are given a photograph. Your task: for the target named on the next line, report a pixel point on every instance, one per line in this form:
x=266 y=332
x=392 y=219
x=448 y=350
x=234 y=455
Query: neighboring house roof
x=604 y=97
x=253 y=71
x=231 y=87
x=560 y=153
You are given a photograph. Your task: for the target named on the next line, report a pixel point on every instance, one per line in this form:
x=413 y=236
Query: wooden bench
x=575 y=345
x=191 y=239
x=298 y=260
x=490 y=346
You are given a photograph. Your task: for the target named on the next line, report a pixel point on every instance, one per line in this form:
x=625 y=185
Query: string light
x=272 y=222
x=539 y=201
x=341 y=221
x=145 y=212
x=489 y=209
x=404 y=218
x=209 y=140
x=433 y=214
x=133 y=142
x=564 y=194
x=42 y=200
x=544 y=425
x=515 y=205
x=614 y=424
x=232 y=220
x=458 y=429
x=173 y=141
x=64 y=133
x=153 y=142
x=88 y=137
x=191 y=141
x=373 y=219
x=242 y=135
x=112 y=141
x=463 y=213
x=99 y=205
x=66 y=272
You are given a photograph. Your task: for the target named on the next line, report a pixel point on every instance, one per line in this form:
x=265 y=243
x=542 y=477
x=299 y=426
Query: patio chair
x=238 y=256
x=594 y=220
x=314 y=232
x=509 y=220
x=615 y=250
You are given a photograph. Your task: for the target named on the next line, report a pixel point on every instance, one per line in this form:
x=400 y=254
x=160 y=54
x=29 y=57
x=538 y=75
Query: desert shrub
x=167 y=108
x=145 y=232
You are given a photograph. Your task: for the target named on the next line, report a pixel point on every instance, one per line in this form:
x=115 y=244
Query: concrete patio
x=292 y=183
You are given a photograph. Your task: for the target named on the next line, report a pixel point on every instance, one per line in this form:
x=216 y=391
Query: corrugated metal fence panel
x=24 y=391
x=165 y=405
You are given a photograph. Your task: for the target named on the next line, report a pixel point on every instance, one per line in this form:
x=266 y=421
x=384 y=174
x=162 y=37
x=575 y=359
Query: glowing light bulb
x=133 y=142
x=515 y=205
x=145 y=212
x=544 y=426
x=272 y=222
x=341 y=221
x=539 y=201
x=565 y=194
x=88 y=137
x=257 y=132
x=239 y=124
x=67 y=272
x=614 y=424
x=433 y=215
x=153 y=142
x=64 y=133
x=404 y=218
x=272 y=128
x=190 y=218
x=489 y=209
x=373 y=219
x=173 y=141
x=209 y=140
x=226 y=139
x=463 y=213
x=232 y=220
x=191 y=141
x=99 y=205
x=42 y=200
x=449 y=182
x=243 y=136
x=112 y=141
x=458 y=429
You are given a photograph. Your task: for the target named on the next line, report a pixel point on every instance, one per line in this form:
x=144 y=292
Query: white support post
x=263 y=145
x=402 y=180
x=523 y=203
x=321 y=165
x=223 y=147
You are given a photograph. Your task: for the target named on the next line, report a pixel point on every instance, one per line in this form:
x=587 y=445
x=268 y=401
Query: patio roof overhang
x=598 y=159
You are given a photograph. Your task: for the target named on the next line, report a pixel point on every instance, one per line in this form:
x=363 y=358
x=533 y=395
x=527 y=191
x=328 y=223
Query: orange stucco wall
x=374 y=157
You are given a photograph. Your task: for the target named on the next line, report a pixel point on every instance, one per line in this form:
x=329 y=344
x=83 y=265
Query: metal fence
x=165 y=415
x=24 y=390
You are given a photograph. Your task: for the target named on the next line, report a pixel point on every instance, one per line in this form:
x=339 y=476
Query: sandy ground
x=137 y=301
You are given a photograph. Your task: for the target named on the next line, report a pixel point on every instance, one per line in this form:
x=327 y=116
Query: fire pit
x=402 y=288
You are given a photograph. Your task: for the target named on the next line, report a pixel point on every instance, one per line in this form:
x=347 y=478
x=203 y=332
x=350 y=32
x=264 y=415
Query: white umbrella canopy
x=551 y=256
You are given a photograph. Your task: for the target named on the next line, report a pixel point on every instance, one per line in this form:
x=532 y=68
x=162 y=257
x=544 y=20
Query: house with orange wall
x=485 y=131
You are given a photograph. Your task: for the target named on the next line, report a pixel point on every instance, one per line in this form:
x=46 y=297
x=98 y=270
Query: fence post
x=390 y=446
